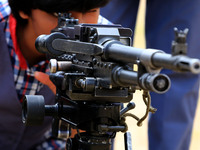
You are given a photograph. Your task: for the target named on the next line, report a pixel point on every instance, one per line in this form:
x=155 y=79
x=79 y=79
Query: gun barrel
x=177 y=63
x=116 y=51
x=153 y=58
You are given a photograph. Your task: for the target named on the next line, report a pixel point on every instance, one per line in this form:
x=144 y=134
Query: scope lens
x=161 y=83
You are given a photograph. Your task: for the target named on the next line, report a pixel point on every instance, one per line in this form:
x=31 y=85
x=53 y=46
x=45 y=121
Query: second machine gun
x=93 y=72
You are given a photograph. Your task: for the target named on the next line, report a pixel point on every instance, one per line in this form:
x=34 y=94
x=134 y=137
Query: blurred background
x=139 y=134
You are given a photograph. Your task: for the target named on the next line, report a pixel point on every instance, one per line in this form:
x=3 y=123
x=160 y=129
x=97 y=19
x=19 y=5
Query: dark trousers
x=170 y=128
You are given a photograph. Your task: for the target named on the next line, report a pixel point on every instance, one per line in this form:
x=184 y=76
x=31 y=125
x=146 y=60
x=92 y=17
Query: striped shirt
x=25 y=83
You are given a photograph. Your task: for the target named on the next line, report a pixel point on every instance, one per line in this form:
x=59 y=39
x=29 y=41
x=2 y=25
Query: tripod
x=99 y=121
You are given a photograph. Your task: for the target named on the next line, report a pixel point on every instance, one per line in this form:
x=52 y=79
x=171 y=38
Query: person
x=21 y=22
x=170 y=128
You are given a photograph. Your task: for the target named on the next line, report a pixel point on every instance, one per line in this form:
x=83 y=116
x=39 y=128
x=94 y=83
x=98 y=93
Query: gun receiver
x=92 y=69
x=102 y=55
x=112 y=50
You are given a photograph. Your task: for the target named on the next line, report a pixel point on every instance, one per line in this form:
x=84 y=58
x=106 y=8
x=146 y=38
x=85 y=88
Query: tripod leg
x=127 y=141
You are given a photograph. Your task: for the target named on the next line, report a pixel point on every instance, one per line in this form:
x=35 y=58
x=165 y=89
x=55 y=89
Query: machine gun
x=92 y=68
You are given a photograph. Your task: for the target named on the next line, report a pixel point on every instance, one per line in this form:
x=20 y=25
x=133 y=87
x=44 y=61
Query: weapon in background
x=93 y=73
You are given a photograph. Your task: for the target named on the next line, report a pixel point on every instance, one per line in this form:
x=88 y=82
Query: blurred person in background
x=171 y=127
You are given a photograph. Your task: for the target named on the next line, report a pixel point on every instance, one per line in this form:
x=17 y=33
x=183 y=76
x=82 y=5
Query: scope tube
x=125 y=77
x=158 y=83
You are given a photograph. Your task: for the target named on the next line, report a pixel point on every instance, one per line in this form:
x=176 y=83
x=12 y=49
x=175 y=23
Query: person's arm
x=44 y=79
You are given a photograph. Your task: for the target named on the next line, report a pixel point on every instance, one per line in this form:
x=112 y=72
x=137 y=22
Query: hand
x=44 y=79
x=74 y=132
